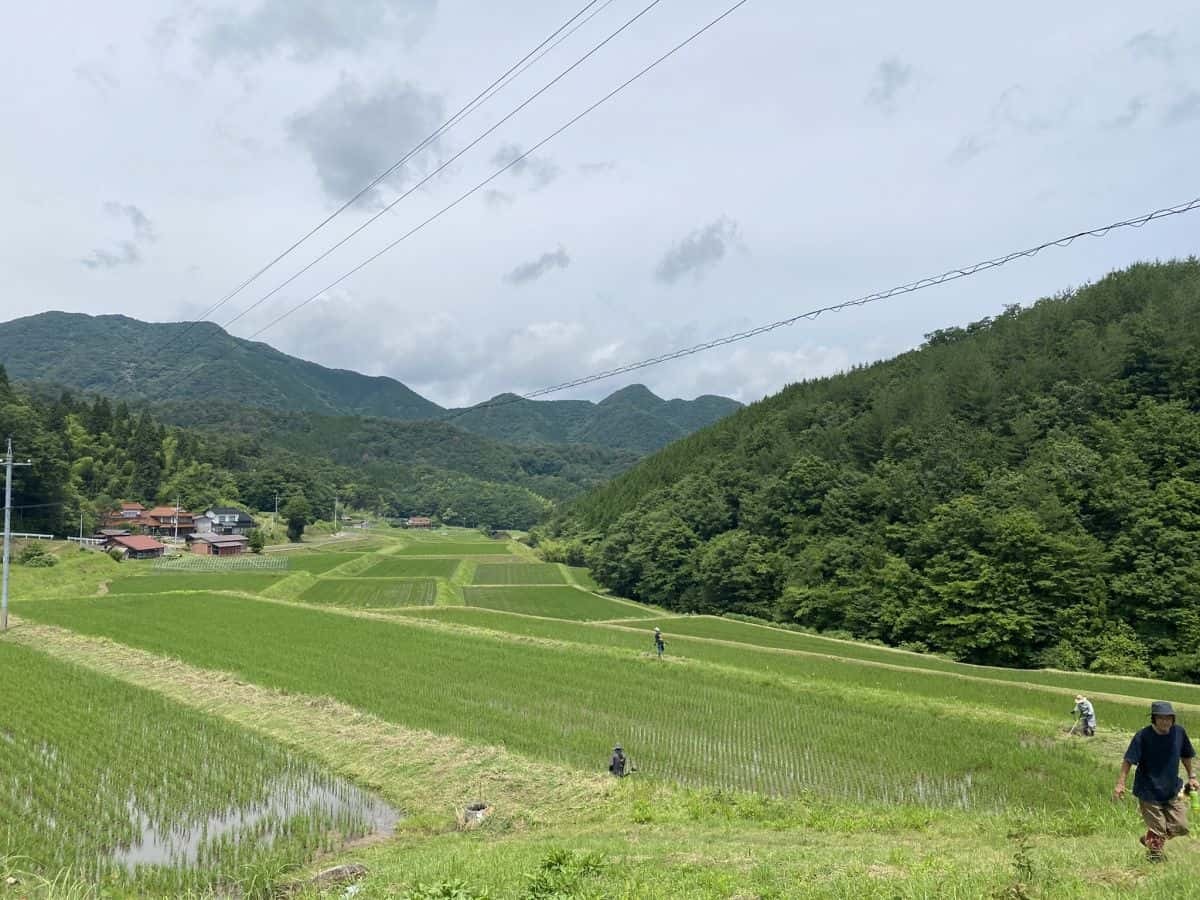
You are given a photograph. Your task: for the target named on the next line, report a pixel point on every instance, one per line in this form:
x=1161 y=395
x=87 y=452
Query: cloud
x=967 y=149
x=597 y=168
x=532 y=271
x=99 y=73
x=1133 y=111
x=498 y=199
x=698 y=252
x=127 y=252
x=1185 y=109
x=538 y=170
x=1152 y=45
x=311 y=29
x=143 y=228
x=352 y=135
x=1014 y=109
x=891 y=77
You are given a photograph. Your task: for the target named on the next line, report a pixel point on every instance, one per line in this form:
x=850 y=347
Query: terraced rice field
x=391 y=567
x=317 y=563
x=555 y=602
x=722 y=726
x=367 y=593
x=112 y=781
x=453 y=548
x=518 y=573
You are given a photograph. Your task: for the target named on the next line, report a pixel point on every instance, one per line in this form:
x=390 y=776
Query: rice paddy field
x=372 y=593
x=770 y=762
x=518 y=573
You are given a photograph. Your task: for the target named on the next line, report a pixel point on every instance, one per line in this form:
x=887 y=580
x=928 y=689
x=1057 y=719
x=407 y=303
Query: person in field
x=1157 y=750
x=618 y=764
x=1085 y=715
x=659 y=644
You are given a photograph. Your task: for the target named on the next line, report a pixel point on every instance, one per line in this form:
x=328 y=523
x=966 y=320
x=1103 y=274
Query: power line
x=445 y=165
x=908 y=288
x=478 y=187
x=477 y=101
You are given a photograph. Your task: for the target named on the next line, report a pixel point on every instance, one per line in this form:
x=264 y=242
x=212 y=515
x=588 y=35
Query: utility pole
x=335 y=500
x=8 y=467
x=275 y=519
x=176 y=520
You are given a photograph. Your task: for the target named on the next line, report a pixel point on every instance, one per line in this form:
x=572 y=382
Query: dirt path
x=430 y=776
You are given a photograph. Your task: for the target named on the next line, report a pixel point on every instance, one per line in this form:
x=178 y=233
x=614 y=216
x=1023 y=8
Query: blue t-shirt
x=1157 y=759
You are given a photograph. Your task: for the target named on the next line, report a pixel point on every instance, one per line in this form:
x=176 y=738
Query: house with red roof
x=136 y=546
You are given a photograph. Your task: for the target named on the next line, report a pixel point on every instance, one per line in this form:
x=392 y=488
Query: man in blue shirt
x=1157 y=750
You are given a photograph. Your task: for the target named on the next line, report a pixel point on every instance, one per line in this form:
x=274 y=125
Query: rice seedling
x=553 y=601
x=768 y=728
x=250 y=582
x=518 y=573
x=102 y=783
x=454 y=548
x=391 y=567
x=371 y=593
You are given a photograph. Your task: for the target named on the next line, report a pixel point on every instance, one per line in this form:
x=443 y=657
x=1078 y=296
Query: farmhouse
x=136 y=546
x=212 y=544
x=169 y=520
x=129 y=514
x=418 y=522
x=227 y=520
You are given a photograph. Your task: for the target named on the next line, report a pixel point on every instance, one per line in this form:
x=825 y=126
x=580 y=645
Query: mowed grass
x=518 y=573
x=1070 y=682
x=554 y=602
x=249 y=582
x=453 y=548
x=390 y=567
x=691 y=723
x=88 y=763
x=366 y=593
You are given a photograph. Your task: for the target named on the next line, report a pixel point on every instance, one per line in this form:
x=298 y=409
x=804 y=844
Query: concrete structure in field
x=211 y=544
x=136 y=546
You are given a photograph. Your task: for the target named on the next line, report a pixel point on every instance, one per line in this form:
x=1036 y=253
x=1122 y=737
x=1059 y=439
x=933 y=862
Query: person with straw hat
x=1085 y=714
x=1157 y=750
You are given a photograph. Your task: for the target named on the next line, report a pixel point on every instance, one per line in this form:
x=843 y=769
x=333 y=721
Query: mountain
x=1020 y=490
x=164 y=364
x=633 y=418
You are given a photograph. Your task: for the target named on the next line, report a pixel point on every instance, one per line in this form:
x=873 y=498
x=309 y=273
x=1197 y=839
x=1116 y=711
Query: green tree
x=297 y=513
x=257 y=541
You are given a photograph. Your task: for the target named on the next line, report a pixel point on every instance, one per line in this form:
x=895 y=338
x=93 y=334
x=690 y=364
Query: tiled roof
x=138 y=542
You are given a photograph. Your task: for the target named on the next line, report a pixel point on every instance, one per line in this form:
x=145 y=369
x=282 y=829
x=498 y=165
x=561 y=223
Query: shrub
x=36 y=556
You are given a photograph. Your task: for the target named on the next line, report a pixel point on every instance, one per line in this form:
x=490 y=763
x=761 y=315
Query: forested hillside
x=89 y=453
x=1022 y=490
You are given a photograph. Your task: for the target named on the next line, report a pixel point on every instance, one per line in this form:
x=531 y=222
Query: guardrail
x=29 y=536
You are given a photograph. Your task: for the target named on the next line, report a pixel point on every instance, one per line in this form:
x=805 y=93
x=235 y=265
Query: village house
x=227 y=520
x=169 y=521
x=418 y=522
x=135 y=546
x=127 y=516
x=212 y=544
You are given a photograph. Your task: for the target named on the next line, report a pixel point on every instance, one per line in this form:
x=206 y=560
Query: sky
x=159 y=153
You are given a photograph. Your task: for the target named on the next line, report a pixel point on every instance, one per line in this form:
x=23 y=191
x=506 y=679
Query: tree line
x=1024 y=490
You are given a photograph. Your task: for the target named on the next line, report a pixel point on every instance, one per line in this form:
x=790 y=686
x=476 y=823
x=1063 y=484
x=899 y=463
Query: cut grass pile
x=391 y=567
x=96 y=775
x=367 y=593
x=554 y=602
x=249 y=582
x=692 y=723
x=518 y=573
x=453 y=548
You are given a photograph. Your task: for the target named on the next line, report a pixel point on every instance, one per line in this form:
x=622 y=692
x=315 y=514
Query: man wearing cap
x=1157 y=750
x=1086 y=714
x=659 y=644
